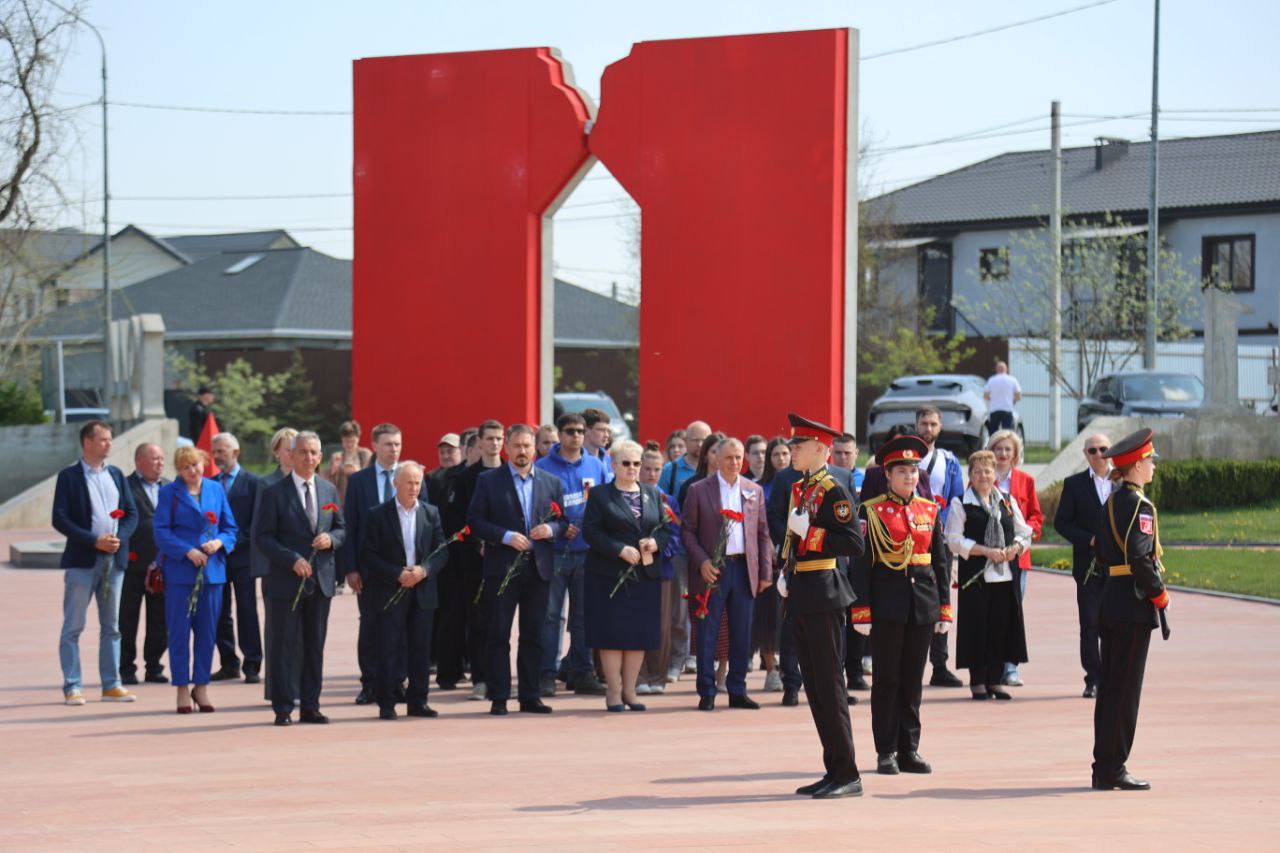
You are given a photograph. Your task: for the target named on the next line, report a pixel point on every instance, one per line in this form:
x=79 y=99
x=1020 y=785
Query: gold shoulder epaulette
x=878 y=499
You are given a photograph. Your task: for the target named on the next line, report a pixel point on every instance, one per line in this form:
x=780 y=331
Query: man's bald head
x=148 y=459
x=1094 y=446
x=694 y=435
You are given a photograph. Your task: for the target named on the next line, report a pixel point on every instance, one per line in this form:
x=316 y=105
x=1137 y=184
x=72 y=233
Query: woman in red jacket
x=1007 y=447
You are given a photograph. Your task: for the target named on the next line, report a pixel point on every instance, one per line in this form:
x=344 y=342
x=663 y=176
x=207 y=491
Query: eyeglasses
x=627 y=463
x=1093 y=451
x=574 y=431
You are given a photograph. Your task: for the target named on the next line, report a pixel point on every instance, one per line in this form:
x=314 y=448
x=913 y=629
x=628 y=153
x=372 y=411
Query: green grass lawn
x=1243 y=570
x=1259 y=523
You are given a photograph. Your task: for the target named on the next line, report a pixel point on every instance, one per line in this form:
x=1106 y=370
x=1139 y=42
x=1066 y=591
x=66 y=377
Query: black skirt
x=630 y=621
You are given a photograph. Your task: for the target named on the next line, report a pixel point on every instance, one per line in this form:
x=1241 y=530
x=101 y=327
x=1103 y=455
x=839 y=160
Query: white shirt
x=303 y=486
x=938 y=476
x=959 y=544
x=1002 y=387
x=731 y=498
x=152 y=491
x=408 y=531
x=104 y=498
x=1102 y=485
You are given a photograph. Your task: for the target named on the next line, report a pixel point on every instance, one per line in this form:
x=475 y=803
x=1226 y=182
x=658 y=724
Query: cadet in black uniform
x=904 y=597
x=1133 y=601
x=820 y=527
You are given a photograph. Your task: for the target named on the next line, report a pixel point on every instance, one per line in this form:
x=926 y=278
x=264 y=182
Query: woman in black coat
x=624 y=524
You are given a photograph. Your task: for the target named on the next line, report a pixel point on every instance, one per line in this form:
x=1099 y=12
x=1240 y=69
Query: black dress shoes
x=128 y=678
x=365 y=697
x=399 y=693
x=887 y=764
x=743 y=701
x=534 y=706
x=314 y=717
x=156 y=678
x=251 y=676
x=226 y=673
x=943 y=677
x=447 y=685
x=790 y=698
x=813 y=787
x=851 y=700
x=498 y=709
x=422 y=711
x=707 y=703
x=1123 y=782
x=859 y=683
x=387 y=714
x=284 y=719
x=836 y=790
x=911 y=762
x=1090 y=692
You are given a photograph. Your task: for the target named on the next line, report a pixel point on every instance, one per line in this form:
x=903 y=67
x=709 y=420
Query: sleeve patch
x=1146 y=524
x=843 y=511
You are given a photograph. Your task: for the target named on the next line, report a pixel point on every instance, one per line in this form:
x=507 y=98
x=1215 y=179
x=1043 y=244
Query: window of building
x=993 y=264
x=1228 y=261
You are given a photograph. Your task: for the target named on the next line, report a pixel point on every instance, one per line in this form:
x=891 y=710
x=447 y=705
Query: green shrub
x=1049 y=500
x=1202 y=483
x=20 y=404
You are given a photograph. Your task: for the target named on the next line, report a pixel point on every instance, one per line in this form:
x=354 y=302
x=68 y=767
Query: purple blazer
x=700 y=526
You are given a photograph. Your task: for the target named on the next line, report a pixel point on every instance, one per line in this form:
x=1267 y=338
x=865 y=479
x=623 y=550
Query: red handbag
x=154 y=581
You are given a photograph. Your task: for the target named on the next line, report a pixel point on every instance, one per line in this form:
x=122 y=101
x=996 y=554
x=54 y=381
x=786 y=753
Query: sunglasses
x=574 y=431
x=627 y=463
x=1094 y=451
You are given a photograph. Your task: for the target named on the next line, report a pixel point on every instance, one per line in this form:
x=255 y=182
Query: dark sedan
x=1144 y=393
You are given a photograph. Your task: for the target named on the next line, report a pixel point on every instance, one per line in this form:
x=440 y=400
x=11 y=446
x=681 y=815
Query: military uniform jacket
x=832 y=533
x=1134 y=541
x=917 y=593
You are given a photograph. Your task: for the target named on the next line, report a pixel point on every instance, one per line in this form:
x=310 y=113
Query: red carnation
x=117 y=513
x=671 y=514
x=731 y=515
x=556 y=512
x=464 y=532
x=133 y=556
x=211 y=517
x=700 y=602
x=329 y=508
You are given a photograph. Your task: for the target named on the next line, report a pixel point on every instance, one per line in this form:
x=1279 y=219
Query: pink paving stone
x=1009 y=774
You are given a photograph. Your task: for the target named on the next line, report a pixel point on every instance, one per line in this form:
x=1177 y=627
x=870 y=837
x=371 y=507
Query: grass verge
x=1250 y=571
x=1227 y=525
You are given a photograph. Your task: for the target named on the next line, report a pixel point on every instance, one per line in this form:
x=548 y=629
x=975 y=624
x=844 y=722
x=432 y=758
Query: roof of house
x=200 y=246
x=586 y=319
x=63 y=248
x=1204 y=172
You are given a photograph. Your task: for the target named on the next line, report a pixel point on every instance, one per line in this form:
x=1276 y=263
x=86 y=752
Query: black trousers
x=855 y=647
x=477 y=622
x=528 y=592
x=1089 y=605
x=994 y=635
x=271 y=637
x=819 y=640
x=898 y=654
x=132 y=595
x=367 y=650
x=1115 y=714
x=405 y=628
x=246 y=622
x=310 y=623
x=451 y=625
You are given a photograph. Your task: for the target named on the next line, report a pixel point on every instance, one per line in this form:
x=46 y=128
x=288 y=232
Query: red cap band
x=1138 y=453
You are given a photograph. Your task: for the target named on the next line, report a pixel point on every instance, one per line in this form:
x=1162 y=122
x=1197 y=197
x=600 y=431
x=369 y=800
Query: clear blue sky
x=287 y=55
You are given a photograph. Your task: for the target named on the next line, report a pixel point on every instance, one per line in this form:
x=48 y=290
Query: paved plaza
x=1012 y=775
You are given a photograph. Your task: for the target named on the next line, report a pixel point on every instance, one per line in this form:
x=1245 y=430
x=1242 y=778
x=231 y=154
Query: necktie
x=309 y=504
x=386 y=486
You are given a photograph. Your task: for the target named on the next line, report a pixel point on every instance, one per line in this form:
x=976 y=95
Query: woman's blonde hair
x=626 y=447
x=1010 y=436
x=981 y=457
x=185 y=456
x=282 y=435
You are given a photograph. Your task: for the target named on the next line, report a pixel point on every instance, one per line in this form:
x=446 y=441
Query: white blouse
x=959 y=544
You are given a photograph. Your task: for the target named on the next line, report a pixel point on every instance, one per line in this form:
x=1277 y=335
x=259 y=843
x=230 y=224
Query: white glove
x=941 y=627
x=798 y=523
x=863 y=628
x=783 y=586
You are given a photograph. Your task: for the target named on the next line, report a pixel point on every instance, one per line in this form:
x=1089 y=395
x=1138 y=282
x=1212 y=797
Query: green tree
x=241 y=393
x=292 y=398
x=20 y=404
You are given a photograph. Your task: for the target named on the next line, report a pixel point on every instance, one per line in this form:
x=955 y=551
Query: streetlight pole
x=106 y=218
x=1153 y=214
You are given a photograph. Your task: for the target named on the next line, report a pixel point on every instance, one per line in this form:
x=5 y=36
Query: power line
x=226 y=110
x=260 y=197
x=987 y=31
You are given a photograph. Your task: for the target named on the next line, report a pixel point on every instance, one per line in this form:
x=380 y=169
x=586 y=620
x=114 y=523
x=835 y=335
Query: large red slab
x=739 y=151
x=458 y=158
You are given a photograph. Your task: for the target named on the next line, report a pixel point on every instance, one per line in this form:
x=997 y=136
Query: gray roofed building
x=585 y=319
x=201 y=246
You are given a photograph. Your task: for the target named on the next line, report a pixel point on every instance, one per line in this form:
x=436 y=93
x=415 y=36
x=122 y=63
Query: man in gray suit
x=145 y=483
x=260 y=566
x=300 y=528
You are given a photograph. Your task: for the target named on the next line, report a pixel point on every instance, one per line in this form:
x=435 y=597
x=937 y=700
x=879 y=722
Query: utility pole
x=1055 y=252
x=1153 y=212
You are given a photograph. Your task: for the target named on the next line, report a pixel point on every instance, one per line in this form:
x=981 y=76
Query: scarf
x=993 y=535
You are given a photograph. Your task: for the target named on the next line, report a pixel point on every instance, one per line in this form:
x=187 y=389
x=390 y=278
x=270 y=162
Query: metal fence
x=1180 y=357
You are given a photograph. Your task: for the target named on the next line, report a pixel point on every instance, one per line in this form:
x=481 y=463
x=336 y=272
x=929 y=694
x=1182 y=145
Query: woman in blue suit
x=194 y=529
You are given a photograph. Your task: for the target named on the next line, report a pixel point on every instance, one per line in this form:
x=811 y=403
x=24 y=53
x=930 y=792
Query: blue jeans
x=79 y=587
x=567 y=577
x=185 y=667
x=732 y=600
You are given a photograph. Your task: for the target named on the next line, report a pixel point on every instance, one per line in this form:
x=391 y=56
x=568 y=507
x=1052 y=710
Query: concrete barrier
x=33 y=507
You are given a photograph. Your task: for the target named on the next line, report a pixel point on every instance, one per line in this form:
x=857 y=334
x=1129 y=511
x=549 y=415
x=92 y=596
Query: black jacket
x=383 y=556
x=284 y=534
x=608 y=526
x=243 y=500
x=833 y=533
x=918 y=594
x=1078 y=520
x=142 y=546
x=495 y=509
x=1127 y=598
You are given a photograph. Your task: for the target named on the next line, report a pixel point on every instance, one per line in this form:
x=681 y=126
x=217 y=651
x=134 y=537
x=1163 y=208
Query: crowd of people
x=656 y=561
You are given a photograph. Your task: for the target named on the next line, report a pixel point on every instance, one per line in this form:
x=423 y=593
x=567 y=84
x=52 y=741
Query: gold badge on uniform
x=843 y=511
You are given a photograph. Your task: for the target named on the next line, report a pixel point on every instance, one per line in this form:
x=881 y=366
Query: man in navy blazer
x=1078 y=520
x=367 y=488
x=145 y=483
x=93 y=507
x=242 y=487
x=300 y=529
x=516 y=509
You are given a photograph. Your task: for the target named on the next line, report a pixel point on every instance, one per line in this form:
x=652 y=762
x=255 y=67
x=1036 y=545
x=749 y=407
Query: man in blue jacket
x=94 y=509
x=945 y=481
x=578 y=474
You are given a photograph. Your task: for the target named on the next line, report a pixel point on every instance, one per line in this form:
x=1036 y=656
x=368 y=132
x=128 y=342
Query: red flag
x=205 y=443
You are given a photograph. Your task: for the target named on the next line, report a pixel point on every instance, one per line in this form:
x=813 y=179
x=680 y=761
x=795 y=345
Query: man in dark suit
x=746 y=570
x=516 y=509
x=399 y=553
x=199 y=412
x=1078 y=520
x=241 y=486
x=300 y=529
x=144 y=483
x=93 y=507
x=260 y=566
x=366 y=489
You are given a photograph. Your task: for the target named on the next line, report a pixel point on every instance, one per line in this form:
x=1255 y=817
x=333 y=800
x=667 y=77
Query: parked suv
x=958 y=396
x=1142 y=392
x=576 y=401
